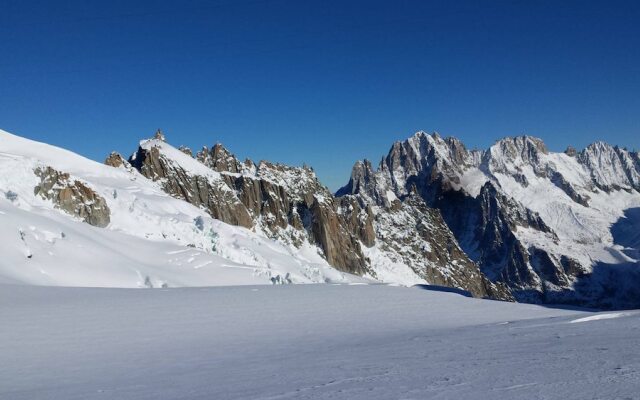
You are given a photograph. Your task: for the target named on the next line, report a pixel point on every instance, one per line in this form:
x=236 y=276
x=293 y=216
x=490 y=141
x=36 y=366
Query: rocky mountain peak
x=571 y=151
x=186 y=150
x=611 y=167
x=511 y=154
x=495 y=201
x=220 y=159
x=599 y=147
x=116 y=160
x=286 y=203
x=526 y=147
x=299 y=181
x=361 y=174
x=72 y=196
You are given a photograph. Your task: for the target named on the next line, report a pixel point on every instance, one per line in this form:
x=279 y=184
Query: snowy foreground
x=306 y=341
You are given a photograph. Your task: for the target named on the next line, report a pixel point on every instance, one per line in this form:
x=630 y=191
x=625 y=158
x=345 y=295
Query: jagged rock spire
x=186 y=150
x=115 y=160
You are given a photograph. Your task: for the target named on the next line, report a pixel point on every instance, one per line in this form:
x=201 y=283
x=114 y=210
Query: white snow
x=305 y=342
x=584 y=232
x=390 y=271
x=598 y=317
x=471 y=181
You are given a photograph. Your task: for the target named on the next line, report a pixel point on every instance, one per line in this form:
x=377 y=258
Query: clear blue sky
x=321 y=82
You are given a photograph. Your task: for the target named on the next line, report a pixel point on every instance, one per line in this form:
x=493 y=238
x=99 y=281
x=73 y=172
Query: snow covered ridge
x=150 y=239
x=289 y=205
x=513 y=221
x=553 y=227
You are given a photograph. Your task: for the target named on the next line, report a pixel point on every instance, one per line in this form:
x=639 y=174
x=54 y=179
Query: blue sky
x=321 y=82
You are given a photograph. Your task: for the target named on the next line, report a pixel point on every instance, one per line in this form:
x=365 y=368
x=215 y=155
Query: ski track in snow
x=599 y=317
x=306 y=342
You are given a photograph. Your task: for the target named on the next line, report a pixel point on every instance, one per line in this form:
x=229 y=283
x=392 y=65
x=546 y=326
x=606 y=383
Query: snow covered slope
x=150 y=238
x=306 y=342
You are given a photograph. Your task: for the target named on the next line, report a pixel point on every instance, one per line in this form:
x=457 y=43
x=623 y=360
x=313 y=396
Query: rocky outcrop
x=287 y=203
x=485 y=227
x=117 y=161
x=208 y=191
x=186 y=150
x=359 y=218
x=560 y=181
x=510 y=154
x=72 y=196
x=611 y=167
x=291 y=204
x=220 y=159
x=417 y=235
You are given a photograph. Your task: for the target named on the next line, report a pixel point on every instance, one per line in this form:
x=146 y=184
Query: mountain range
x=512 y=222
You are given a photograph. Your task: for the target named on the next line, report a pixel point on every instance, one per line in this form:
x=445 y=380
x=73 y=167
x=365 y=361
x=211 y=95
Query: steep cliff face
x=415 y=234
x=290 y=205
x=286 y=203
x=190 y=181
x=533 y=220
x=611 y=168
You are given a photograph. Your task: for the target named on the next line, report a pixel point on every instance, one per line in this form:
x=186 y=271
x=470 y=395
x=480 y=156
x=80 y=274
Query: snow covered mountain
x=552 y=227
x=290 y=206
x=515 y=221
x=69 y=221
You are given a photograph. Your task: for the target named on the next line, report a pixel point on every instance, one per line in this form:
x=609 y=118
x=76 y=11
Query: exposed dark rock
x=288 y=203
x=202 y=191
x=483 y=226
x=116 y=160
x=612 y=168
x=419 y=237
x=72 y=196
x=359 y=218
x=563 y=184
x=219 y=159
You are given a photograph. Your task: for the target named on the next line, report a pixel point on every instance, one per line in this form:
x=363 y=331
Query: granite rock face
x=287 y=203
x=417 y=235
x=208 y=191
x=72 y=196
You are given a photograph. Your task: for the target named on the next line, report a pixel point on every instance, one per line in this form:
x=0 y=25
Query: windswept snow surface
x=153 y=240
x=306 y=342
